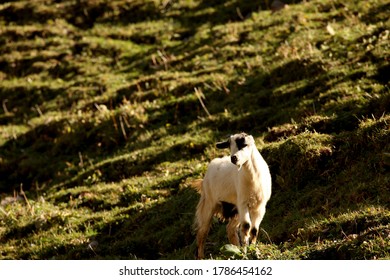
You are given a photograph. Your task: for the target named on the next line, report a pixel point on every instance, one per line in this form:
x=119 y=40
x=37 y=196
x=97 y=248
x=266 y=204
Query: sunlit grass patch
x=109 y=111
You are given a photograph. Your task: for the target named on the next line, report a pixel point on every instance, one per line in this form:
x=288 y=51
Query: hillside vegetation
x=110 y=109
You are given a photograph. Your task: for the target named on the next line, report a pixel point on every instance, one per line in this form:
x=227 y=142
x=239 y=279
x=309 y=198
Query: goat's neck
x=251 y=167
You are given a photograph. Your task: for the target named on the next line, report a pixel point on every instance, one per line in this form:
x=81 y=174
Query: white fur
x=246 y=184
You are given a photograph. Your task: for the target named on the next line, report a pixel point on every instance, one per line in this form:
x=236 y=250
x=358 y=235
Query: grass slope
x=102 y=128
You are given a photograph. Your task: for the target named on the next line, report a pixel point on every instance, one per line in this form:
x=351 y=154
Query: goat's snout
x=234 y=159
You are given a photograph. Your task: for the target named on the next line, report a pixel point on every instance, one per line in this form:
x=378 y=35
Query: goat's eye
x=240 y=142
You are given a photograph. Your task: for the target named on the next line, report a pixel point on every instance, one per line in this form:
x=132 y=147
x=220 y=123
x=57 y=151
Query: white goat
x=236 y=188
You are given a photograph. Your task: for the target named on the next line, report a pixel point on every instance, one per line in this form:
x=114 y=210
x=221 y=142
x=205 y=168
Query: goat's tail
x=197 y=185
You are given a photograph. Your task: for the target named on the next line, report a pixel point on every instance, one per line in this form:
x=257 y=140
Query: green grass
x=102 y=130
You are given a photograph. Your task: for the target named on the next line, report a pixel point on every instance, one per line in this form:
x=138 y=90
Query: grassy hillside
x=111 y=108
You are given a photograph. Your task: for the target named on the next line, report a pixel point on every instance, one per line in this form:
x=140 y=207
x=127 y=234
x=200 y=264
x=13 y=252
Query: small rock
x=10 y=200
x=277 y=5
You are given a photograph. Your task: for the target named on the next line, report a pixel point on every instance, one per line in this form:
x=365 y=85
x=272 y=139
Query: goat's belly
x=222 y=191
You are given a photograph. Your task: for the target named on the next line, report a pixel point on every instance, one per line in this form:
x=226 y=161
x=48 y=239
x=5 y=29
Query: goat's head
x=240 y=147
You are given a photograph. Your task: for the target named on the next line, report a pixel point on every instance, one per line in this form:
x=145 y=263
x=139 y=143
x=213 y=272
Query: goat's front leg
x=245 y=224
x=256 y=215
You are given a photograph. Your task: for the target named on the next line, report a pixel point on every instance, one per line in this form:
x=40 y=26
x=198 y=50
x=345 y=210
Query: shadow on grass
x=154 y=232
x=252 y=107
x=218 y=12
x=61 y=148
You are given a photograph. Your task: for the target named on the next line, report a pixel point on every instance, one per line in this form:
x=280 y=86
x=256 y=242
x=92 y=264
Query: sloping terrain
x=110 y=109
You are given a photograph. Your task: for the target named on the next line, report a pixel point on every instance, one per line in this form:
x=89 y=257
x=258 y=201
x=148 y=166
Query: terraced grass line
x=103 y=125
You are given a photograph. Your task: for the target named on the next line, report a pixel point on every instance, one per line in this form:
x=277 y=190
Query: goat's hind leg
x=204 y=215
x=232 y=230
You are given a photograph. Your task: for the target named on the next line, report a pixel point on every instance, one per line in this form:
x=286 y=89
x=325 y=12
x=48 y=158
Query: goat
x=235 y=188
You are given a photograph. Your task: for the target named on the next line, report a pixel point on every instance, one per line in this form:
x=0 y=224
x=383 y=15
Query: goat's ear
x=223 y=145
x=249 y=140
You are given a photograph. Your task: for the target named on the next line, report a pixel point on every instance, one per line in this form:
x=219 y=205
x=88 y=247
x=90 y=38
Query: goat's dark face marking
x=240 y=143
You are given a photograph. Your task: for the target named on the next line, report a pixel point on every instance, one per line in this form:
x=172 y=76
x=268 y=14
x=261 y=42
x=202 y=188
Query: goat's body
x=222 y=177
x=248 y=188
x=217 y=183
